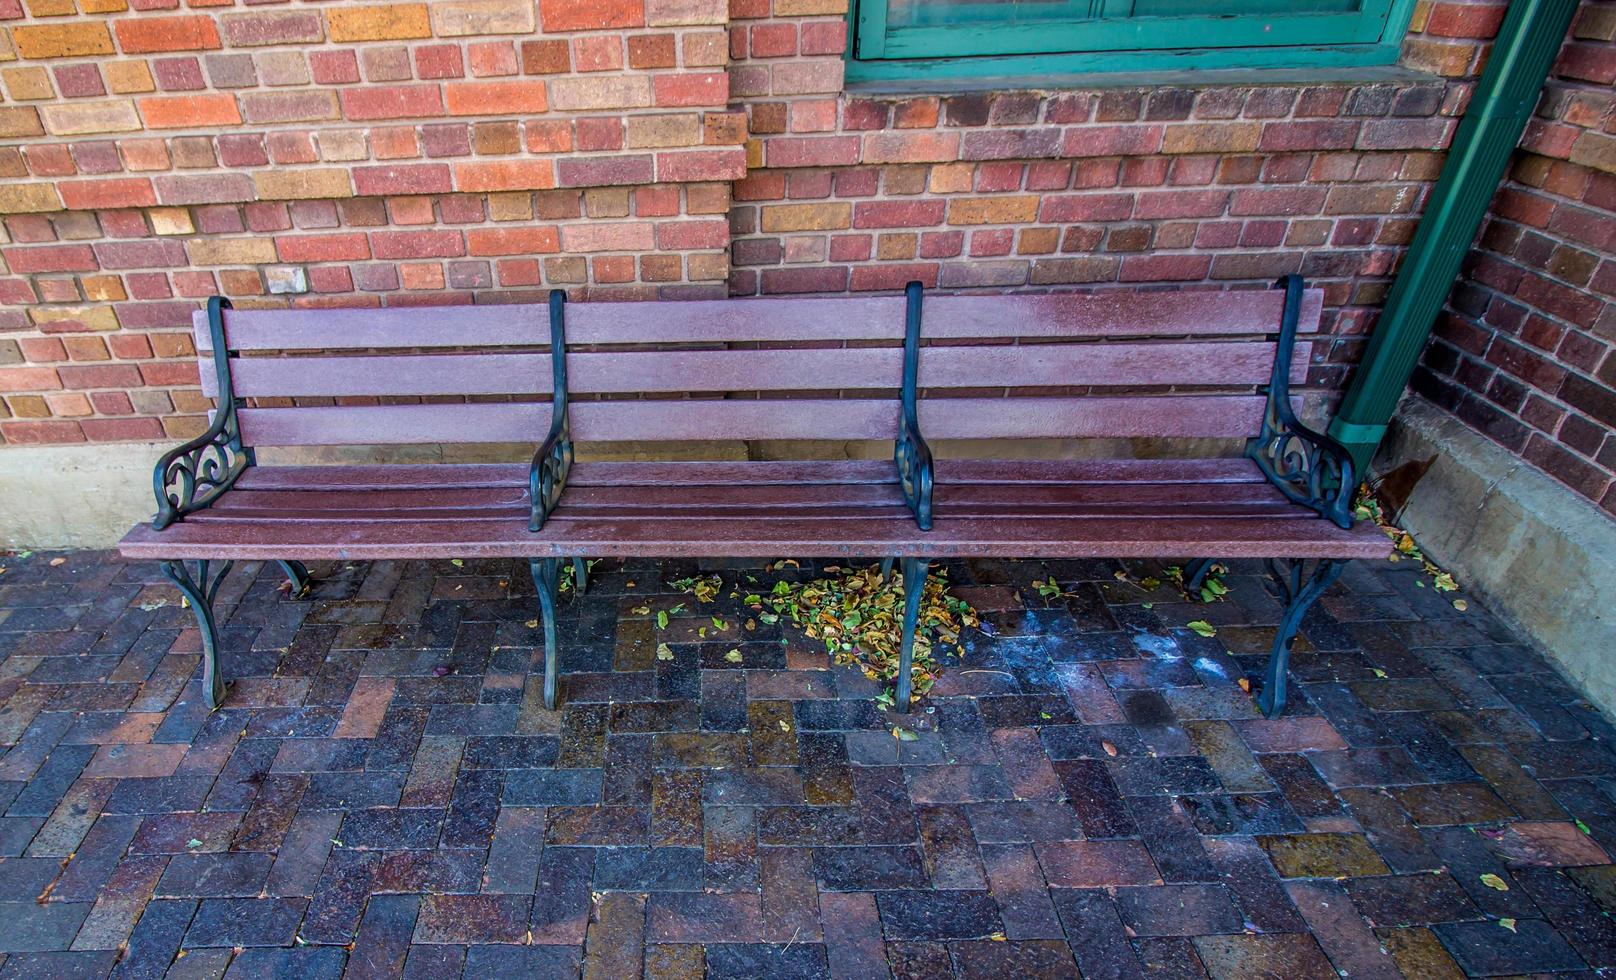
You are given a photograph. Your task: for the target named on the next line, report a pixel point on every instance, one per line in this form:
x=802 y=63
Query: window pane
x=946 y=13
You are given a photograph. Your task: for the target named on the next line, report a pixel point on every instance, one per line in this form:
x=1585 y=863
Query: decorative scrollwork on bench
x=193 y=476
x=910 y=451
x=190 y=477
x=547 y=477
x=913 y=457
x=1309 y=468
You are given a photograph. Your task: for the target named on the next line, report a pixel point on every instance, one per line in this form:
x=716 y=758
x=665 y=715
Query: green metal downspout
x=1503 y=101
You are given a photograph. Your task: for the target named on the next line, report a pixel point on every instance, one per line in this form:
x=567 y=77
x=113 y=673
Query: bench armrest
x=190 y=477
x=547 y=476
x=913 y=457
x=1308 y=467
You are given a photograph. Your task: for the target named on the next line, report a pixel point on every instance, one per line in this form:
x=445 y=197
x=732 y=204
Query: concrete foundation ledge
x=1543 y=557
x=77 y=496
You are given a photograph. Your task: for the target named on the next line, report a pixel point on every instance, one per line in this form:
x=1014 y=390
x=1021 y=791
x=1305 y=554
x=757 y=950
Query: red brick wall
x=1525 y=351
x=347 y=153
x=479 y=150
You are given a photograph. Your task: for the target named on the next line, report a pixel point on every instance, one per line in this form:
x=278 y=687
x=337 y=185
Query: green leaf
x=904 y=734
x=662 y=619
x=1203 y=628
x=1494 y=882
x=1507 y=923
x=664 y=652
x=457 y=563
x=1378 y=672
x=1584 y=828
x=734 y=656
x=193 y=843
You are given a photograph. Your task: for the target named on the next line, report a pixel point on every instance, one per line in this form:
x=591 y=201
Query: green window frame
x=995 y=37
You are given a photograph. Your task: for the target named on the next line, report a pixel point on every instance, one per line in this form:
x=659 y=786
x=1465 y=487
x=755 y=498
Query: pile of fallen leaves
x=1368 y=507
x=859 y=618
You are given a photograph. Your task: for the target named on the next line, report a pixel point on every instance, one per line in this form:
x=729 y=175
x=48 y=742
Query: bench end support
x=1299 y=591
x=200 y=591
x=546 y=578
x=914 y=571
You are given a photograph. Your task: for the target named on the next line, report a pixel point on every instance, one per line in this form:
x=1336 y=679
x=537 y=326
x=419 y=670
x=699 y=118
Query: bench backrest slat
x=1190 y=416
x=1191 y=362
x=1069 y=315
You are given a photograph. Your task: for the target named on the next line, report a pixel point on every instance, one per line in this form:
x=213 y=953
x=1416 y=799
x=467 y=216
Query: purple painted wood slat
x=1125 y=537
x=975 y=366
x=1114 y=313
x=1189 y=416
x=762 y=499
x=701 y=473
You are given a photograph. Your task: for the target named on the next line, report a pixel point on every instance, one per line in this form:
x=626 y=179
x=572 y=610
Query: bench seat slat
x=754 y=498
x=1114 y=313
x=1195 y=364
x=1080 y=537
x=1189 y=416
x=699 y=473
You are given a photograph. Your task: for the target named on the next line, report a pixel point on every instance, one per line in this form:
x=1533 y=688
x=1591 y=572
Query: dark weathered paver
x=1089 y=791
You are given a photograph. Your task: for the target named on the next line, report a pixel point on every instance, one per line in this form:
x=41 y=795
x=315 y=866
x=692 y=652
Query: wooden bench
x=1129 y=365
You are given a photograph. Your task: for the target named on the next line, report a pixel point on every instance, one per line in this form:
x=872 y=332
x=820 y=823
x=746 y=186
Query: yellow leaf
x=664 y=652
x=58 y=561
x=532 y=624
x=1494 y=882
x=1461 y=605
x=734 y=656
x=1245 y=685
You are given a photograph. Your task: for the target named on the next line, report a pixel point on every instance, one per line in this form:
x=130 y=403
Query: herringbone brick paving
x=1090 y=792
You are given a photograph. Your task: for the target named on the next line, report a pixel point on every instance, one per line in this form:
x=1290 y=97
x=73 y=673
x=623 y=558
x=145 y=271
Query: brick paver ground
x=1090 y=791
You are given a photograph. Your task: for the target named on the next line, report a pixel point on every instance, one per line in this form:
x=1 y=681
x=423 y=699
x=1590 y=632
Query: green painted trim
x=1076 y=66
x=1348 y=432
x=1120 y=46
x=1504 y=100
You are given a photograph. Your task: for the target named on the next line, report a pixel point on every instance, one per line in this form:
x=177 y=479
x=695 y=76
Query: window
x=919 y=38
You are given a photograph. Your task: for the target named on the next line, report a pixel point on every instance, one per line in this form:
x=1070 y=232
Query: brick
x=1222 y=137
x=302 y=184
x=590 y=15
x=273 y=27
x=911 y=147
x=188 y=111
x=606 y=92
x=426 y=178
x=898 y=214
x=605 y=171
x=378 y=22
x=691 y=89
x=636 y=236
x=77 y=39
x=671 y=129
x=76 y=119
x=461 y=18
x=504 y=175
x=1404 y=134
x=392 y=102
x=678 y=166
x=992 y=210
x=686 y=13
x=145 y=35
x=513 y=241
x=280 y=107
x=204 y=188
x=113 y=192
x=476 y=98
x=1107 y=141
x=20 y=198
x=807 y=217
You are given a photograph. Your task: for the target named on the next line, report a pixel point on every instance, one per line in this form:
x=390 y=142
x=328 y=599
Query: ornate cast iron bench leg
x=546 y=578
x=580 y=576
x=200 y=592
x=1299 y=593
x=914 y=572
x=297 y=573
x=1195 y=573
